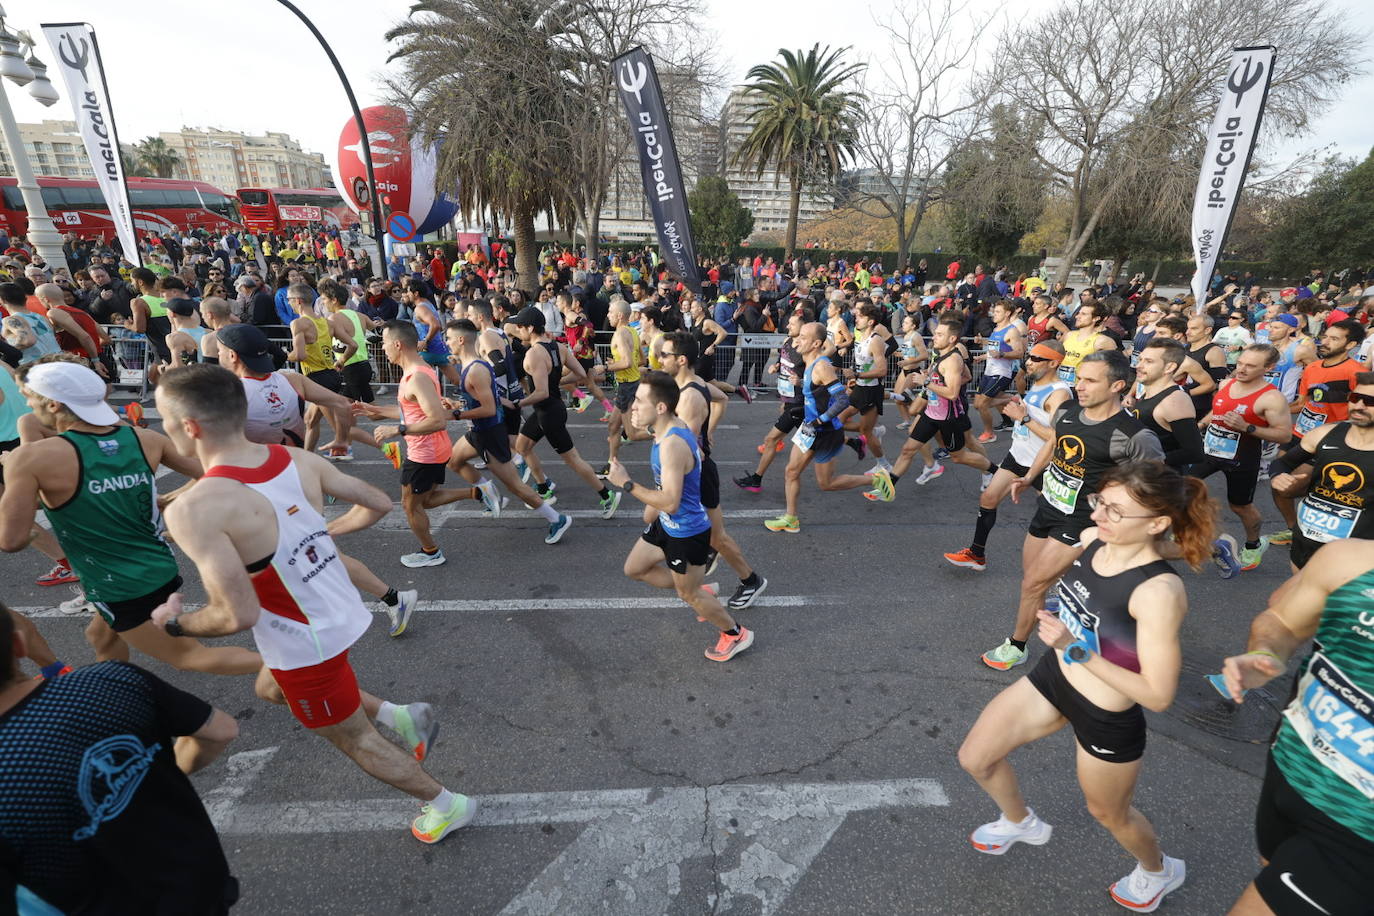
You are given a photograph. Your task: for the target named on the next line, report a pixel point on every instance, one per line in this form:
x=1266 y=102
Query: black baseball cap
x=182 y=307
x=251 y=345
x=529 y=316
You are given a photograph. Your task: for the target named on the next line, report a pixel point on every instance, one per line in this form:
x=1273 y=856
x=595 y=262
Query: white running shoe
x=420 y=559
x=400 y=614
x=879 y=431
x=77 y=604
x=1142 y=891
x=930 y=473
x=1000 y=835
x=490 y=498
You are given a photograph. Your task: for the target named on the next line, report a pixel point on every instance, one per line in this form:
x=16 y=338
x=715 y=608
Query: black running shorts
x=357 y=381
x=710 y=484
x=549 y=420
x=1050 y=523
x=327 y=378
x=421 y=478
x=1116 y=737
x=123 y=616
x=790 y=418
x=864 y=398
x=680 y=553
x=625 y=395
x=491 y=443
x=951 y=431
x=1241 y=479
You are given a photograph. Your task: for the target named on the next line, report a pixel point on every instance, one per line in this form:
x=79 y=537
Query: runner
x=865 y=380
x=1210 y=356
x=580 y=336
x=1338 y=500
x=1045 y=322
x=820 y=438
x=1315 y=821
x=1162 y=406
x=487 y=439
x=187 y=332
x=1091 y=435
x=1044 y=396
x=1192 y=376
x=626 y=358
x=349 y=329
x=1001 y=350
x=791 y=411
x=1113 y=648
x=700 y=408
x=491 y=316
x=946 y=416
x=429 y=333
x=253 y=525
x=1246 y=413
x=544 y=363
x=312 y=348
x=676 y=544
x=1087 y=337
x=94 y=480
x=912 y=355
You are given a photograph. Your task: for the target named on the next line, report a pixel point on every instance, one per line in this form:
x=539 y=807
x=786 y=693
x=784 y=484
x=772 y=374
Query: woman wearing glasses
x=1113 y=647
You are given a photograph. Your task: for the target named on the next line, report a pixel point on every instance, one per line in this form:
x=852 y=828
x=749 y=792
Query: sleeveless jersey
x=360 y=354
x=1278 y=376
x=555 y=375
x=470 y=402
x=430 y=448
x=996 y=364
x=310 y=610
x=864 y=361
x=1096 y=609
x=196 y=334
x=1339 y=499
x=703 y=439
x=111 y=527
x=276 y=414
x=1037 y=331
x=1326 y=389
x=1144 y=411
x=690 y=517
x=1082 y=454
x=631 y=374
x=1226 y=444
x=87 y=323
x=11 y=408
x=1077 y=346
x=1325 y=742
x=816 y=396
x=1026 y=445
x=788 y=362
x=42 y=332
x=436 y=347
x=509 y=386
x=1203 y=402
x=157 y=306
x=317 y=354
x=939 y=407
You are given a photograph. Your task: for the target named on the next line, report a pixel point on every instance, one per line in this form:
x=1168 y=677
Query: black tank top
x=1202 y=403
x=555 y=374
x=1144 y=411
x=1082 y=454
x=703 y=440
x=1340 y=499
x=1097 y=608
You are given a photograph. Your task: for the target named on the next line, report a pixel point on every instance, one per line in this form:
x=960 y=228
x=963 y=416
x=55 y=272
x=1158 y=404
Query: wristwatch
x=1076 y=652
x=458 y=413
x=627 y=487
x=1250 y=428
x=402 y=430
x=173 y=628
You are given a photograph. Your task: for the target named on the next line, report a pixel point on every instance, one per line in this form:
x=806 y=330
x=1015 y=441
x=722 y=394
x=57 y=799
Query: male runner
x=481 y=406
x=1246 y=413
x=1086 y=337
x=675 y=547
x=1338 y=500
x=544 y=363
x=429 y=334
x=791 y=410
x=490 y=316
x=1210 y=356
x=1162 y=406
x=1091 y=435
x=1045 y=394
x=700 y=407
x=1315 y=822
x=254 y=527
x=312 y=348
x=866 y=378
x=626 y=358
x=946 y=415
x=1003 y=347
x=821 y=435
x=349 y=329
x=95 y=483
x=1192 y=376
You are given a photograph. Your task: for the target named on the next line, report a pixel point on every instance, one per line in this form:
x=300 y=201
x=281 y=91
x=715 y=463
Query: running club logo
x=1341 y=481
x=111 y=772
x=107 y=447
x=1069 y=450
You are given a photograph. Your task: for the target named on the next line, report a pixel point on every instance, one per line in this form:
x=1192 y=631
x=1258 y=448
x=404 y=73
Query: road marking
x=395 y=520
x=628 y=858
x=651 y=602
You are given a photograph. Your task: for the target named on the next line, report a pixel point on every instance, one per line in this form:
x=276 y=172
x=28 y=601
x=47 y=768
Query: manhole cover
x=1199 y=705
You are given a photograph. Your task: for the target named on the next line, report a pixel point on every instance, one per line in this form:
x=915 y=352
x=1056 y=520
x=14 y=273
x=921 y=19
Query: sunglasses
x=1356 y=398
x=1236 y=317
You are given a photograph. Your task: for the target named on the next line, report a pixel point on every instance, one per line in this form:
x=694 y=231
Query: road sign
x=401 y=227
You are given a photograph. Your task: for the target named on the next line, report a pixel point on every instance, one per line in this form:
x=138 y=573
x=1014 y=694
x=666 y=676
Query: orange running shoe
x=392 y=452
x=967 y=559
x=133 y=412
x=727 y=647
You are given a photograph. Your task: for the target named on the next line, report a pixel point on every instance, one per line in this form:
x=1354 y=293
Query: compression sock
x=895 y=477
x=386 y=714
x=987 y=518
x=549 y=513
x=429 y=551
x=53 y=670
x=606 y=403
x=391 y=599
x=733 y=631
x=1020 y=644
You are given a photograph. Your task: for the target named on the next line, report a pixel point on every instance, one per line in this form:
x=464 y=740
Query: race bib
x=1221 y=442
x=1020 y=431
x=804 y=437
x=1068 y=374
x=1335 y=719
x=785 y=387
x=1308 y=420
x=1323 y=521
x=1135 y=358
x=1077 y=619
x=1061 y=490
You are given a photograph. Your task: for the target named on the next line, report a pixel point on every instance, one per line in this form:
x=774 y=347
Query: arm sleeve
x=1189 y=439
x=1288 y=461
x=497 y=358
x=839 y=400
x=1142 y=445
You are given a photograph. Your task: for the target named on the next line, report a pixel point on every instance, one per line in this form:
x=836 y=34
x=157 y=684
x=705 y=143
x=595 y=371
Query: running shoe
x=486 y=510
x=1250 y=558
x=967 y=559
x=745 y=393
x=391 y=451
x=76 y=604
x=523 y=468
x=859 y=446
x=479 y=464
x=881 y=465
x=341 y=453
x=606 y=417
x=787 y=523
x=583 y=403
x=61 y=574
x=133 y=412
x=546 y=490
x=433 y=825
x=1000 y=835
x=1142 y=891
x=1282 y=538
x=986 y=481
x=930 y=473
x=711 y=563
x=751 y=482
x=745 y=594
x=905 y=424
x=883 y=490
x=727 y=647
x=605 y=470
x=558 y=529
x=611 y=503
x=420 y=559
x=418 y=726
x=1006 y=423
x=779 y=446
x=1004 y=657
x=941 y=453
x=400 y=614
x=1224 y=551
x=490 y=498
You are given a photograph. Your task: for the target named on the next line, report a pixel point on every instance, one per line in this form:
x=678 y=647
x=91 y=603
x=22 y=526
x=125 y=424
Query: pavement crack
x=708 y=837
x=831 y=754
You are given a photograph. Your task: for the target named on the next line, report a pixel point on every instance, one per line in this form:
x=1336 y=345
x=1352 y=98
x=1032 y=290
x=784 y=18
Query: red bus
x=275 y=209
x=159 y=205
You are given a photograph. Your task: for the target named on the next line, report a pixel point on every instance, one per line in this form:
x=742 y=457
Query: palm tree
x=133 y=166
x=157 y=156
x=805 y=125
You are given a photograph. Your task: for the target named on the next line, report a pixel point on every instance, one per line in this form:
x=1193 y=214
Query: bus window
x=14 y=200
x=254 y=198
x=53 y=198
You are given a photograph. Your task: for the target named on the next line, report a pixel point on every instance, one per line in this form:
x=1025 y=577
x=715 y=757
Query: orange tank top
x=1325 y=404
x=431 y=448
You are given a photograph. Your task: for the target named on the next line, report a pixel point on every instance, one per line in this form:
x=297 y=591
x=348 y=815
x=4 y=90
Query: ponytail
x=1195 y=527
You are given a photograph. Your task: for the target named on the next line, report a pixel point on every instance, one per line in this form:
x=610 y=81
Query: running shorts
x=1302 y=548
x=990 y=386
x=549 y=420
x=421 y=478
x=1113 y=736
x=864 y=398
x=357 y=381
x=625 y=395
x=491 y=443
x=327 y=378
x=710 y=484
x=514 y=419
x=321 y=695
x=8 y=445
x=123 y=616
x=437 y=360
x=951 y=431
x=680 y=553
x=1241 y=479
x=1050 y=523
x=790 y=418
x=827 y=446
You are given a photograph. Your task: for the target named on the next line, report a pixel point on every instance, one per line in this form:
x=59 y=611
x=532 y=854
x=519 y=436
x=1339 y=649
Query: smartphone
x=1219 y=682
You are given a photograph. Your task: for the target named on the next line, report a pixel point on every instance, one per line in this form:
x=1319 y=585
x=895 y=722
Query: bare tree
x=1125 y=89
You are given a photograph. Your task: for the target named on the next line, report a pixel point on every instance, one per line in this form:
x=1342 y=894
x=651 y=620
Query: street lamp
x=31 y=72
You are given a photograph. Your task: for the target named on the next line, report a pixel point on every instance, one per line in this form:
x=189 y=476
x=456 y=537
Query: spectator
x=378 y=305
x=109 y=298
x=257 y=306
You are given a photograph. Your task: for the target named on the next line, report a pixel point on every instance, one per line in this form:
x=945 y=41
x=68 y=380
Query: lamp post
x=47 y=241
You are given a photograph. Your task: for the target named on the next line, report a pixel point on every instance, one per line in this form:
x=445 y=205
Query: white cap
x=75 y=387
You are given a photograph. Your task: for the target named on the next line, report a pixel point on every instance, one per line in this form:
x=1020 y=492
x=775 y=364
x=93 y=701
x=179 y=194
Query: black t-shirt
x=95 y=816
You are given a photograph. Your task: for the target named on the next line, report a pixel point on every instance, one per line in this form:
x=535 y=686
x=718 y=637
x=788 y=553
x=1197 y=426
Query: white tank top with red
x=274 y=411
x=310 y=610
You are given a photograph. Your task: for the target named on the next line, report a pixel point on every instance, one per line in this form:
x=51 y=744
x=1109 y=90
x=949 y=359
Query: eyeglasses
x=1357 y=398
x=1114 y=513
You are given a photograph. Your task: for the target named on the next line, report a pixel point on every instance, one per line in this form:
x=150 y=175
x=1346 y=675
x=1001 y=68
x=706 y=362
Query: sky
x=174 y=63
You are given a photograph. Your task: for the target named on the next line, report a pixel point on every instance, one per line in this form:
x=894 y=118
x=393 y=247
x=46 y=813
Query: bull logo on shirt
x=111 y=771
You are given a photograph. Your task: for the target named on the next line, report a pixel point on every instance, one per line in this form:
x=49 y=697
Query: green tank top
x=360 y=354
x=1325 y=742
x=157 y=308
x=111 y=528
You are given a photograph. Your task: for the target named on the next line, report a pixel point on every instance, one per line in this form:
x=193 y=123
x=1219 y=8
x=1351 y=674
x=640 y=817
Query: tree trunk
x=593 y=225
x=526 y=252
x=793 y=208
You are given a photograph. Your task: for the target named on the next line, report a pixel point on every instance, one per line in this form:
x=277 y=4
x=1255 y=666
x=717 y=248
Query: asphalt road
x=621 y=772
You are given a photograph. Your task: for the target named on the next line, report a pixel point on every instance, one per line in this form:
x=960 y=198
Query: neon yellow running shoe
x=417 y=724
x=787 y=523
x=433 y=825
x=883 y=490
x=392 y=452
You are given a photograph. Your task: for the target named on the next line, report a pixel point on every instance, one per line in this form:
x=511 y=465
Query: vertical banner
x=1230 y=143
x=637 y=82
x=78 y=60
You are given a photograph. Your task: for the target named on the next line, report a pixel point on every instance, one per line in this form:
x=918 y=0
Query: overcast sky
x=175 y=62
